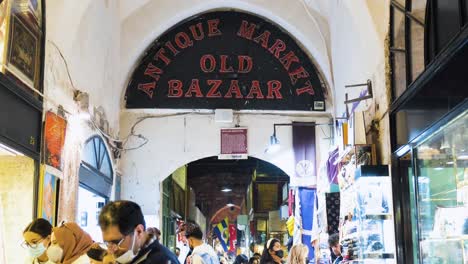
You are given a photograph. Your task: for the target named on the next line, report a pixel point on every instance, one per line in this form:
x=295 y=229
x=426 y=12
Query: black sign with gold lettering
x=226 y=60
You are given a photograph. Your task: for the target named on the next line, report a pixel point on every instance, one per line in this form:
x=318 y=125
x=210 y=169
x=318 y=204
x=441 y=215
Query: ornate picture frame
x=23 y=52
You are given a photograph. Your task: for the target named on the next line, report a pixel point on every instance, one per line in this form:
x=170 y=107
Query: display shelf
x=378 y=256
x=378 y=216
x=373 y=215
x=456 y=238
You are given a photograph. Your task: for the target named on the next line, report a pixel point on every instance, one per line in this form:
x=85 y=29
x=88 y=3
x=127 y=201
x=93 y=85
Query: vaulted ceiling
x=209 y=176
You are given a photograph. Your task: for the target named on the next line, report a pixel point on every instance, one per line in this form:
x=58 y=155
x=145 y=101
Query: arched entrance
x=249 y=195
x=219 y=59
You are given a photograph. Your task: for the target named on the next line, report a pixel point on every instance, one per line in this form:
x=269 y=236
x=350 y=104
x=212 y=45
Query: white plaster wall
x=87 y=34
x=358 y=31
x=178 y=140
x=140 y=28
x=359 y=51
x=82 y=52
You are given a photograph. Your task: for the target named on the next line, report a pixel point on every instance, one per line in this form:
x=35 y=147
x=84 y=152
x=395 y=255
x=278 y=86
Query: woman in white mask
x=69 y=245
x=36 y=240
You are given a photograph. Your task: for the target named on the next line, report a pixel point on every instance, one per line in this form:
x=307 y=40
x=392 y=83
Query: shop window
x=417 y=49
x=405 y=170
x=95 y=156
x=398 y=55
x=441 y=190
x=401 y=2
x=448 y=22
x=96 y=180
x=418 y=9
x=89 y=207
x=17 y=181
x=465 y=15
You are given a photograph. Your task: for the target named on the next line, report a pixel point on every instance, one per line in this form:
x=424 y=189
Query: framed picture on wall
x=47 y=198
x=23 y=52
x=54 y=139
x=365 y=154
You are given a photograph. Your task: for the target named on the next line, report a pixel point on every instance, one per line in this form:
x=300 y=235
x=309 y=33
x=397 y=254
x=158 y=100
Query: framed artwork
x=54 y=139
x=48 y=188
x=365 y=154
x=23 y=51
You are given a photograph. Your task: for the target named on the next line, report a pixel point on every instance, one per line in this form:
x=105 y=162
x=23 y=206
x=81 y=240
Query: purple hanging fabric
x=332 y=169
x=304 y=150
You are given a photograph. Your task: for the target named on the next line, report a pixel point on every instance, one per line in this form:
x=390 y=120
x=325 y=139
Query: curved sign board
x=226 y=60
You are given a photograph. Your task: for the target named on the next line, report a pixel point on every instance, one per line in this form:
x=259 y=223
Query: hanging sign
x=226 y=59
x=233 y=143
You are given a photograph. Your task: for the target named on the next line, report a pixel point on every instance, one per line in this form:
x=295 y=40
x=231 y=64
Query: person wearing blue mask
x=36 y=240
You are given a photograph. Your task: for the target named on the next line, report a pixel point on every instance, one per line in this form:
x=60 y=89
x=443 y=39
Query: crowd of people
x=128 y=240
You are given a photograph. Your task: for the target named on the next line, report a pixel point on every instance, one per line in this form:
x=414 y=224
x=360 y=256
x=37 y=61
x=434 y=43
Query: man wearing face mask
x=202 y=253
x=124 y=231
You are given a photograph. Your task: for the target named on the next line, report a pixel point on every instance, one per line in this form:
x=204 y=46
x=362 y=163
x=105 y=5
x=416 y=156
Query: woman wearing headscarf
x=69 y=245
x=36 y=239
x=298 y=254
x=272 y=253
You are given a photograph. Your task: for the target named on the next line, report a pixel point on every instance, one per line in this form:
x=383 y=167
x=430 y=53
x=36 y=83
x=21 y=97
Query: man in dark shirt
x=334 y=243
x=124 y=231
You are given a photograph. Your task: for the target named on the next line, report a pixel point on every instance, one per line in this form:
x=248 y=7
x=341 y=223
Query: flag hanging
x=222 y=232
x=232 y=237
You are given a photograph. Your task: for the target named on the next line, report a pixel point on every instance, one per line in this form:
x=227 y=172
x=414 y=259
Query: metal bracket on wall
x=348 y=101
x=368 y=96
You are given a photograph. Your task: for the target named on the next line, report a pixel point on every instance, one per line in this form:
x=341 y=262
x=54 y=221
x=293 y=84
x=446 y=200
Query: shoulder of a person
x=159 y=256
x=84 y=259
x=196 y=259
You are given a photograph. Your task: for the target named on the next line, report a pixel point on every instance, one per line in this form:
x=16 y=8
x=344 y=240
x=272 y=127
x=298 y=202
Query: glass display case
x=374 y=240
x=441 y=193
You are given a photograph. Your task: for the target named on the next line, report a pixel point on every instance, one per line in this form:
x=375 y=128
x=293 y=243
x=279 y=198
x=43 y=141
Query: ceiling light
x=230 y=204
x=449 y=162
x=226 y=189
x=438 y=168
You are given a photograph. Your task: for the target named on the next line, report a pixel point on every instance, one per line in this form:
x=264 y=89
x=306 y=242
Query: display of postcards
x=372 y=200
x=449 y=221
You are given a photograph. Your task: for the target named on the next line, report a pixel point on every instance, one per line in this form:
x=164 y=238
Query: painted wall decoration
x=23 y=51
x=54 y=138
x=47 y=196
x=226 y=59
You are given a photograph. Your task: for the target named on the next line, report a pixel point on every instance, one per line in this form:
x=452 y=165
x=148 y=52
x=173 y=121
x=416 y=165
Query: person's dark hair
x=39 y=226
x=241 y=259
x=193 y=230
x=96 y=253
x=177 y=248
x=124 y=214
x=253 y=259
x=266 y=257
x=257 y=255
x=333 y=240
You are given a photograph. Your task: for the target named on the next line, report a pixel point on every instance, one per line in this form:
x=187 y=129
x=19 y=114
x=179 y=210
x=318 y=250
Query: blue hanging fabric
x=308 y=200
